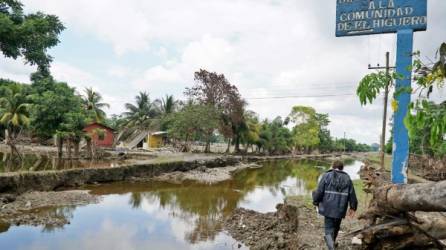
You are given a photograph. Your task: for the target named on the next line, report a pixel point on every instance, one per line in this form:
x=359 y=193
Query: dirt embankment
x=21 y=182
x=41 y=208
x=293 y=226
x=205 y=175
x=45 y=208
x=428 y=168
x=270 y=231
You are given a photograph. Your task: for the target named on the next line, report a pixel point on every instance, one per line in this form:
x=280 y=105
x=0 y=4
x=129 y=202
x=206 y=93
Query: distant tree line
x=214 y=110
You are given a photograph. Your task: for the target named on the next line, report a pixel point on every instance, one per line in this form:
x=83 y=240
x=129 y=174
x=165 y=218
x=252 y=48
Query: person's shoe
x=330 y=242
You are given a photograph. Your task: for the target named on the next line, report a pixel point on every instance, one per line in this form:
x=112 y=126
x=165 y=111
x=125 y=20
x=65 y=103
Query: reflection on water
x=39 y=162
x=159 y=215
x=352 y=169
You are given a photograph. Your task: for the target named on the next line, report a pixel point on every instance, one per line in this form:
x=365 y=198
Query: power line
x=296 y=96
x=328 y=88
x=312 y=85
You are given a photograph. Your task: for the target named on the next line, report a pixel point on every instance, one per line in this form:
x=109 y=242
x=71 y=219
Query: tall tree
x=212 y=89
x=307 y=127
x=14 y=113
x=93 y=104
x=275 y=137
x=325 y=140
x=194 y=121
x=57 y=111
x=27 y=35
x=167 y=105
x=52 y=103
x=141 y=115
x=251 y=135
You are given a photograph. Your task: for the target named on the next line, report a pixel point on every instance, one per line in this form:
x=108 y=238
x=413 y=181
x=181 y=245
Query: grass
x=374 y=158
x=363 y=198
x=300 y=200
x=307 y=200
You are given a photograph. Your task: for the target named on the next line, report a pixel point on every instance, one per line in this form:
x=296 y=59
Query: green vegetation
x=363 y=198
x=142 y=114
x=307 y=200
x=214 y=110
x=93 y=104
x=28 y=36
x=14 y=112
x=374 y=158
x=307 y=127
x=192 y=122
x=426 y=119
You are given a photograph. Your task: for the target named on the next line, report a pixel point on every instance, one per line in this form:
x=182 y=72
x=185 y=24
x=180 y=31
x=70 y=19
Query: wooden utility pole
x=386 y=98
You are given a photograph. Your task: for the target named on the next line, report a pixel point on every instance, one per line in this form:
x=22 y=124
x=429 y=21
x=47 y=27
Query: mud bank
x=260 y=231
x=21 y=182
x=40 y=208
x=294 y=225
x=205 y=175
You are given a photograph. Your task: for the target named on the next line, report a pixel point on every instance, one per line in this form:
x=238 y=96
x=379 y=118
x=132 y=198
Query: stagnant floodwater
x=159 y=215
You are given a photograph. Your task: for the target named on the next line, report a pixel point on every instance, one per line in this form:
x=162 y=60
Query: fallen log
x=403 y=216
x=426 y=197
x=400 y=233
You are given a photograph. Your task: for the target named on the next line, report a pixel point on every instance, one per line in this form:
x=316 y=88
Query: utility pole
x=344 y=143
x=386 y=98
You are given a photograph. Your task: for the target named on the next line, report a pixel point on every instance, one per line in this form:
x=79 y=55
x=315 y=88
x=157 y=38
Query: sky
x=267 y=48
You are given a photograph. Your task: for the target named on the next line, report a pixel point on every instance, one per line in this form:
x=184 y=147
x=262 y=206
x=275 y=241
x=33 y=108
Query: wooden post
x=386 y=97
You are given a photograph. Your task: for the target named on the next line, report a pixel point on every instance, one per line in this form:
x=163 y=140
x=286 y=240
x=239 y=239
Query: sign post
x=400 y=155
x=404 y=17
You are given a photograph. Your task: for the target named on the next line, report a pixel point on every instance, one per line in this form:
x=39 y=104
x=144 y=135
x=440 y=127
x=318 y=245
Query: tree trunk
x=207 y=148
x=76 y=148
x=403 y=216
x=89 y=150
x=10 y=140
x=228 y=149
x=69 y=142
x=237 y=144
x=427 y=197
x=93 y=150
x=59 y=144
x=421 y=231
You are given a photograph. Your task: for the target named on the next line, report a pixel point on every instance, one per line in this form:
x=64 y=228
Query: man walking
x=334 y=193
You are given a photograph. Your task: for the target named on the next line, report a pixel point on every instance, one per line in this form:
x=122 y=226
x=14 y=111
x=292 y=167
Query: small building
x=155 y=139
x=106 y=141
x=145 y=140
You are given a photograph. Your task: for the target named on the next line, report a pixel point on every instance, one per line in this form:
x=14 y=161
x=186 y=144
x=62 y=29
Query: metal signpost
x=404 y=17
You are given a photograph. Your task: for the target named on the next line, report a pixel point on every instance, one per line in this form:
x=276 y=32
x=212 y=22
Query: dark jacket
x=334 y=192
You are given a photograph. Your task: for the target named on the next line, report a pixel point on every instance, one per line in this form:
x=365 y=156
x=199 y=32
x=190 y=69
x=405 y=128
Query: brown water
x=157 y=215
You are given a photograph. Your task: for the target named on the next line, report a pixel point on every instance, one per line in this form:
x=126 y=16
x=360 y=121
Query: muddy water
x=159 y=215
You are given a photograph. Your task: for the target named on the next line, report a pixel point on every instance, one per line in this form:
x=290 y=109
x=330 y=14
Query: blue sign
x=365 y=17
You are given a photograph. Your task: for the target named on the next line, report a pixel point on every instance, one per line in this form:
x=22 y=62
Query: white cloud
x=15 y=69
x=266 y=48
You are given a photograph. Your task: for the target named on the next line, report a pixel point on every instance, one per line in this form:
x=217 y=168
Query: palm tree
x=143 y=114
x=167 y=105
x=14 y=113
x=92 y=102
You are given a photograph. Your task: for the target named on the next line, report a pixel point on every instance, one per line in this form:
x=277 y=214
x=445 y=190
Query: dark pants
x=332 y=226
